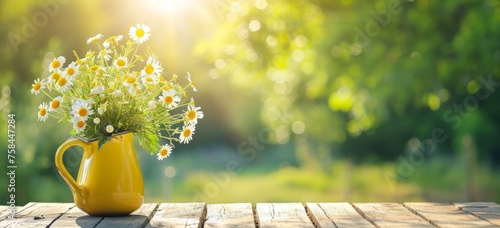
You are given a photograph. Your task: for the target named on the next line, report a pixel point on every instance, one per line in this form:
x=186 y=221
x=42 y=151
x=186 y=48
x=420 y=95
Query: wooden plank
x=333 y=215
x=489 y=211
x=230 y=215
x=390 y=215
x=5 y=213
x=76 y=218
x=37 y=215
x=446 y=215
x=138 y=218
x=282 y=215
x=179 y=214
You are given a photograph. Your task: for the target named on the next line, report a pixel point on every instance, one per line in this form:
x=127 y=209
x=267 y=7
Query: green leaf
x=149 y=142
x=103 y=140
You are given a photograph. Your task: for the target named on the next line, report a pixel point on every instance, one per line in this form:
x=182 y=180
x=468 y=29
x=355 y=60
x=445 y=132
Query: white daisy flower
x=97 y=120
x=94 y=38
x=102 y=109
x=169 y=99
x=55 y=104
x=79 y=123
x=43 y=113
x=150 y=80
x=117 y=93
x=164 y=152
x=120 y=62
x=187 y=133
x=152 y=104
x=139 y=33
x=54 y=76
x=153 y=67
x=193 y=114
x=57 y=64
x=81 y=108
x=97 y=90
x=71 y=70
x=37 y=86
x=104 y=53
x=63 y=83
x=110 y=128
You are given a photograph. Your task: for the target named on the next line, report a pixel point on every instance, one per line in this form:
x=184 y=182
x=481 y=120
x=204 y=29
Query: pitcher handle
x=75 y=187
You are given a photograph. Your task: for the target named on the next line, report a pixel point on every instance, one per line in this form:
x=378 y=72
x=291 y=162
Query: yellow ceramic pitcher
x=109 y=180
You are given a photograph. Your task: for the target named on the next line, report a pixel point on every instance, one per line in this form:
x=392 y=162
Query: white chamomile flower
x=139 y=33
x=110 y=128
x=57 y=64
x=152 y=67
x=37 y=86
x=164 y=152
x=152 y=104
x=79 y=123
x=117 y=93
x=94 y=38
x=102 y=109
x=121 y=62
x=97 y=120
x=63 y=83
x=169 y=99
x=81 y=108
x=193 y=114
x=97 y=90
x=55 y=104
x=150 y=80
x=187 y=133
x=72 y=70
x=104 y=53
x=43 y=113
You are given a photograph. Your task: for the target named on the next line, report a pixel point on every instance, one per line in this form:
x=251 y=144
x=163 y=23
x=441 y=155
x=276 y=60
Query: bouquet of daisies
x=115 y=89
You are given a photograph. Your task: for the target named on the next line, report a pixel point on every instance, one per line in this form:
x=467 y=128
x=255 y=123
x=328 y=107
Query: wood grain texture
x=390 y=215
x=282 y=215
x=230 y=215
x=332 y=215
x=446 y=215
x=179 y=215
x=76 y=218
x=486 y=210
x=37 y=215
x=138 y=218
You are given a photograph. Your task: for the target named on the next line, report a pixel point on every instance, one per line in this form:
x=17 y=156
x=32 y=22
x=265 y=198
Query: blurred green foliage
x=345 y=92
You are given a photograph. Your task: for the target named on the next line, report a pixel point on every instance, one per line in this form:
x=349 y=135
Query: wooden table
x=471 y=214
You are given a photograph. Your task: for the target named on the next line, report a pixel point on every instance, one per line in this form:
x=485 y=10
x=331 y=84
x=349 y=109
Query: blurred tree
x=359 y=77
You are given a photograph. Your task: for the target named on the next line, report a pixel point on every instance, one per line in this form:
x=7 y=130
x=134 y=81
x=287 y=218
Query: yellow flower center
x=191 y=114
x=94 y=67
x=149 y=69
x=55 y=104
x=169 y=100
x=70 y=71
x=42 y=112
x=163 y=152
x=56 y=64
x=149 y=79
x=55 y=76
x=131 y=80
x=139 y=32
x=80 y=124
x=120 y=62
x=186 y=133
x=62 y=81
x=37 y=86
x=82 y=112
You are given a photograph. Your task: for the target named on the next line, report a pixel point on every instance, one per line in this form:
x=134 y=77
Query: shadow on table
x=118 y=221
